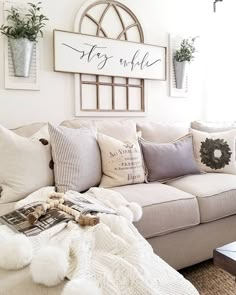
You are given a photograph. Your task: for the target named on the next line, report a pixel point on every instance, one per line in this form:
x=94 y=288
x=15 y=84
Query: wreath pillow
x=215 y=152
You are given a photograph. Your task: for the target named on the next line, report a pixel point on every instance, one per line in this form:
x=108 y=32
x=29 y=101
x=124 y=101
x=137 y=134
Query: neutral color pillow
x=213 y=127
x=76 y=156
x=24 y=164
x=169 y=160
x=215 y=152
x=121 y=162
x=162 y=132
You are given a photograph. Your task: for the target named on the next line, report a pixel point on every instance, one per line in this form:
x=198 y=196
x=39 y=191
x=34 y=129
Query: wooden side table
x=225 y=258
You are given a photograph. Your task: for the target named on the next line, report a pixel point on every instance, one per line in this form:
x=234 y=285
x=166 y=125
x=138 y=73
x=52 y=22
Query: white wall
x=55 y=100
x=221 y=63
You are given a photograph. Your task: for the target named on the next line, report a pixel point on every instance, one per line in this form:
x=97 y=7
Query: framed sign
x=80 y=53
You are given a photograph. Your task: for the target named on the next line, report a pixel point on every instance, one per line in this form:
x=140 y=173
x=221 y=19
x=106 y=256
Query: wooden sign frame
x=81 y=53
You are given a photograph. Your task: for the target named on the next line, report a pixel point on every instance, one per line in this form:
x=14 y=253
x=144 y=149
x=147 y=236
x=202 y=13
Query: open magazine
x=17 y=220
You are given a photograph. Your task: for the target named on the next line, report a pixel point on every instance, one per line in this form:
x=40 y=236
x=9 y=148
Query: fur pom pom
x=81 y=287
x=125 y=212
x=15 y=251
x=49 y=266
x=136 y=210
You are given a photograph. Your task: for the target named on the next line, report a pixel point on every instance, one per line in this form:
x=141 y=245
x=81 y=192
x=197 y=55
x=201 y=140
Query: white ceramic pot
x=181 y=72
x=21 y=50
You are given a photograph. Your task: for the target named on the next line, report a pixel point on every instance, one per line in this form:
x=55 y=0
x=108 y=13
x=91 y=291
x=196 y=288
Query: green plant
x=25 y=26
x=186 y=51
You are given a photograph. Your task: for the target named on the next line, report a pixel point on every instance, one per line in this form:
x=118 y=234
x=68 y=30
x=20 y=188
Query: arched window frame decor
x=127 y=85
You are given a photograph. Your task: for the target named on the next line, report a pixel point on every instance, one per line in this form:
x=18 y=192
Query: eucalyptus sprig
x=186 y=51
x=27 y=26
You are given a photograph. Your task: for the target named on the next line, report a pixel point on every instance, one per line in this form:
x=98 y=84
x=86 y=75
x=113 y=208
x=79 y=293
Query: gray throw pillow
x=77 y=159
x=169 y=160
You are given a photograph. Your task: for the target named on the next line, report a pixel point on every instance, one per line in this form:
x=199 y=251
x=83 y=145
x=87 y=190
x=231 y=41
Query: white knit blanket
x=112 y=254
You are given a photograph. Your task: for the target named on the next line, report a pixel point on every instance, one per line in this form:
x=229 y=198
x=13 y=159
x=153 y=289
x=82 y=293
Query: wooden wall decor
x=174 y=44
x=11 y=81
x=108 y=95
x=81 y=53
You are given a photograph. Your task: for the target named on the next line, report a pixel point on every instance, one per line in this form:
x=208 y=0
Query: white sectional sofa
x=183 y=219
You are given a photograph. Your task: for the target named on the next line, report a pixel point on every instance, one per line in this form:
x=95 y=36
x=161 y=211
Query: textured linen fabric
x=29 y=130
x=76 y=156
x=213 y=127
x=215 y=192
x=122 y=130
x=78 y=123
x=215 y=152
x=121 y=162
x=119 y=129
x=165 y=208
x=169 y=160
x=162 y=132
x=25 y=164
x=192 y=245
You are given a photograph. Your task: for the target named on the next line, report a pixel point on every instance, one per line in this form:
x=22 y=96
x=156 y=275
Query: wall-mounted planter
x=21 y=50
x=181 y=72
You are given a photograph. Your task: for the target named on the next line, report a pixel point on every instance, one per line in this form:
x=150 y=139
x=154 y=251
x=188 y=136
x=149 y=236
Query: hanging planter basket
x=21 y=50
x=181 y=73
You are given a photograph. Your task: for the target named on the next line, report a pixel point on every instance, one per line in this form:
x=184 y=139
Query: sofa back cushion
x=212 y=127
x=169 y=160
x=28 y=130
x=78 y=123
x=122 y=130
x=119 y=129
x=76 y=156
x=162 y=132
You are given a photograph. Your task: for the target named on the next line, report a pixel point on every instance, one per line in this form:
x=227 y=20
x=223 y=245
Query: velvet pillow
x=169 y=160
x=76 y=156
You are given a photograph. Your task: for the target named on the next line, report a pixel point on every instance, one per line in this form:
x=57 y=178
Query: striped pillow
x=76 y=156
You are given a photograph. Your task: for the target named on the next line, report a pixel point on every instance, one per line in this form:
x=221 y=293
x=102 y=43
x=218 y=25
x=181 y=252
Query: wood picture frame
x=81 y=53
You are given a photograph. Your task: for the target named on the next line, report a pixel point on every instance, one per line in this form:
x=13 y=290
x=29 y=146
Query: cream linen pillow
x=121 y=162
x=215 y=152
x=25 y=164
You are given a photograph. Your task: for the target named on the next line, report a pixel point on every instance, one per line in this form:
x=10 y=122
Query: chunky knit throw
x=109 y=258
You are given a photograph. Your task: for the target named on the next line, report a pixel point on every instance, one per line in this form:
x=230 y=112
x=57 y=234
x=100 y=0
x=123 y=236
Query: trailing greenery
x=25 y=26
x=186 y=51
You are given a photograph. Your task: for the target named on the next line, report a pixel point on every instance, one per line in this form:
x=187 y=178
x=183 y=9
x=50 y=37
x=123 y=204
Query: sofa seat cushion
x=215 y=192
x=165 y=208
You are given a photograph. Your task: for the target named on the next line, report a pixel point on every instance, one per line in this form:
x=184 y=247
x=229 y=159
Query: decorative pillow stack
x=169 y=160
x=121 y=162
x=215 y=152
x=25 y=164
x=76 y=156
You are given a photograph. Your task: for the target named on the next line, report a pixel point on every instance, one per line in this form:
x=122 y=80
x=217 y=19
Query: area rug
x=209 y=279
